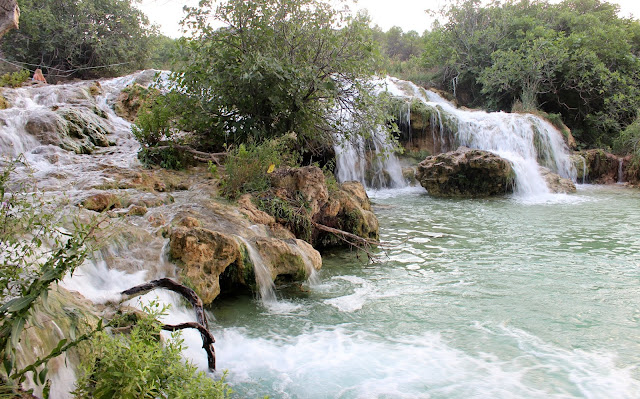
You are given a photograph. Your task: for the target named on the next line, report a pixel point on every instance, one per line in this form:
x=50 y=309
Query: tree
x=78 y=38
x=577 y=58
x=277 y=66
x=530 y=70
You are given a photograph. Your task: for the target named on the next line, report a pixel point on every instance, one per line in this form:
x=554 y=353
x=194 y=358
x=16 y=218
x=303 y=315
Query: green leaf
x=16 y=330
x=43 y=375
x=17 y=304
x=8 y=364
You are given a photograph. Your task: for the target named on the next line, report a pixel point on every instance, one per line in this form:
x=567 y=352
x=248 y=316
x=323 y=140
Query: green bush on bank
x=14 y=79
x=248 y=167
x=141 y=365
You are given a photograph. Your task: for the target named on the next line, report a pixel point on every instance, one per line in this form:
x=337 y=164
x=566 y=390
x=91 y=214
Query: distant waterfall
x=370 y=161
x=526 y=140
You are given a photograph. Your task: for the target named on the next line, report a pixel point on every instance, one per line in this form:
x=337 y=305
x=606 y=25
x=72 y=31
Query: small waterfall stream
x=263 y=275
x=371 y=161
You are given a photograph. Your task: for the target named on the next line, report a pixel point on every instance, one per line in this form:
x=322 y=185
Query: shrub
x=292 y=213
x=139 y=365
x=14 y=79
x=629 y=140
x=248 y=166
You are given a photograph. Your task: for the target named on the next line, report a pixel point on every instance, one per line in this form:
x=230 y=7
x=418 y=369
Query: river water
x=530 y=296
x=495 y=298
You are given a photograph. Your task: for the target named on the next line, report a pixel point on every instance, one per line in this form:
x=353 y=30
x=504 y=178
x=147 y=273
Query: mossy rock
x=4 y=103
x=466 y=173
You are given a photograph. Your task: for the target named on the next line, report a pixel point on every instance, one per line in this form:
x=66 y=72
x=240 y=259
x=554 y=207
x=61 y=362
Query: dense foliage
x=141 y=365
x=403 y=53
x=577 y=58
x=35 y=251
x=277 y=66
x=77 y=38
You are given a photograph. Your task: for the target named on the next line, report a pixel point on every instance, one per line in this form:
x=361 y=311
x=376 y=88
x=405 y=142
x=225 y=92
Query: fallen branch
x=201 y=325
x=364 y=244
x=215 y=157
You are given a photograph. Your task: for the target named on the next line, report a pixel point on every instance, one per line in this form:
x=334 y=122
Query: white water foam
x=339 y=363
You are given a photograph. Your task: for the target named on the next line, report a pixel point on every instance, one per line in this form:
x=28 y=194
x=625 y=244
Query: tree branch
x=194 y=299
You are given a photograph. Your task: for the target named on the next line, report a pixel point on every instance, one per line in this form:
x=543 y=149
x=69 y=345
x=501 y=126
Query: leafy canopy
x=276 y=66
x=61 y=36
x=577 y=58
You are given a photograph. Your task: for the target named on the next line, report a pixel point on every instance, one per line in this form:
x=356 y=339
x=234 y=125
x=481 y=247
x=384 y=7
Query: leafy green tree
x=61 y=36
x=277 y=66
x=530 y=70
x=577 y=58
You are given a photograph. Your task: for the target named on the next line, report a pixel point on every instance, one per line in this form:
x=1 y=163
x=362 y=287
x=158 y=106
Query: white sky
x=407 y=14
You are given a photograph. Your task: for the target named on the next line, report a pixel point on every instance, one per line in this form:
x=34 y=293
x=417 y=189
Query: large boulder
x=204 y=255
x=556 y=183
x=73 y=128
x=466 y=173
x=218 y=248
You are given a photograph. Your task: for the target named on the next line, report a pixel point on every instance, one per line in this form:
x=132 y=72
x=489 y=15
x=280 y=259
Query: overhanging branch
x=201 y=325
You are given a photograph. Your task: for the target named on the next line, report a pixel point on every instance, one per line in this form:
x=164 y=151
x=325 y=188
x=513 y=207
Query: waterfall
x=370 y=161
x=526 y=140
x=620 y=171
x=264 y=280
x=584 y=169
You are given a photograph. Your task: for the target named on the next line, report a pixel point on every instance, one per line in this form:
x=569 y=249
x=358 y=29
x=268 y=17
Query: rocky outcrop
x=597 y=166
x=212 y=249
x=344 y=207
x=101 y=202
x=204 y=255
x=9 y=16
x=131 y=99
x=77 y=129
x=556 y=183
x=466 y=173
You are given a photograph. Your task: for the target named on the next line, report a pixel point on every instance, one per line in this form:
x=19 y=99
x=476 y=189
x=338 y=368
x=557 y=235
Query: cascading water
x=263 y=275
x=527 y=141
x=39 y=124
x=620 y=171
x=371 y=161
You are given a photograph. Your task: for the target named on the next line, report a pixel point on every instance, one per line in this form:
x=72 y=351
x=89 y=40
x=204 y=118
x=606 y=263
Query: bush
x=14 y=79
x=629 y=140
x=155 y=119
x=139 y=365
x=248 y=167
x=292 y=213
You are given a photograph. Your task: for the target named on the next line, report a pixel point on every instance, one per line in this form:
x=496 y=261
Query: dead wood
x=193 y=298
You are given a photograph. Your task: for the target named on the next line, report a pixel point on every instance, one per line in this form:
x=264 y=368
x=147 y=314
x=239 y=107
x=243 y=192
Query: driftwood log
x=201 y=325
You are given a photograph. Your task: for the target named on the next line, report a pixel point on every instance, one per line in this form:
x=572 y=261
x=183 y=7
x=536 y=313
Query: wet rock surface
x=466 y=173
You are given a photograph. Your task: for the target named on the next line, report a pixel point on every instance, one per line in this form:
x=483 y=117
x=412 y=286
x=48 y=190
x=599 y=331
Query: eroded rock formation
x=597 y=166
x=466 y=173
